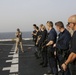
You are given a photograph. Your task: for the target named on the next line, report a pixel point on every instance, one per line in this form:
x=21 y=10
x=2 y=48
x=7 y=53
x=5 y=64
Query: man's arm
x=70 y=59
x=16 y=34
x=49 y=43
x=35 y=33
x=38 y=39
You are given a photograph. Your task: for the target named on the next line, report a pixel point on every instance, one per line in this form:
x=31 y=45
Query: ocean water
x=11 y=35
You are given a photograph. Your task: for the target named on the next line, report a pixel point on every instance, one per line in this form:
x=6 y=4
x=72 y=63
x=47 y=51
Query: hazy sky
x=24 y=13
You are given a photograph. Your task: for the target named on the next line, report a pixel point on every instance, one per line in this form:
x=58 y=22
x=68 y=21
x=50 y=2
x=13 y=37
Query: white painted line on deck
x=14 y=62
x=8 y=61
x=14 y=68
x=11 y=52
x=10 y=55
x=6 y=68
x=15 y=55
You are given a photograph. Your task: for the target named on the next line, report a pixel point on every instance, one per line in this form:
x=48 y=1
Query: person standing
x=62 y=46
x=38 y=36
x=18 y=40
x=34 y=33
x=43 y=50
x=51 y=40
x=72 y=57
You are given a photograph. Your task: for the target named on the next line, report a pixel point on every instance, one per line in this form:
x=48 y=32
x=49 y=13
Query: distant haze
x=24 y=13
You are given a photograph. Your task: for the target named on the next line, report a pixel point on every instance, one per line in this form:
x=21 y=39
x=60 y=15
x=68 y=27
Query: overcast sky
x=24 y=13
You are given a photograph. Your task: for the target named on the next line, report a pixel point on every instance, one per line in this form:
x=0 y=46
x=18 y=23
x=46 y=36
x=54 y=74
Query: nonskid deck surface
x=12 y=63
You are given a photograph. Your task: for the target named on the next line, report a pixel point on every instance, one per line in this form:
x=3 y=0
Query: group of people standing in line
x=56 y=49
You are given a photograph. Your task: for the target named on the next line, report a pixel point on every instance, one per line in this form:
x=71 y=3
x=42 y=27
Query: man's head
x=34 y=26
x=18 y=29
x=59 y=26
x=37 y=28
x=41 y=26
x=49 y=25
x=72 y=22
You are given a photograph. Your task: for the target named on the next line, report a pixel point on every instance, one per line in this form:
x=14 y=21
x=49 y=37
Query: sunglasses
x=71 y=23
